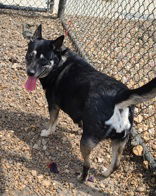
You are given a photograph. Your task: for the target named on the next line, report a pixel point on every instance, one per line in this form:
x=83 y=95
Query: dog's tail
x=137 y=96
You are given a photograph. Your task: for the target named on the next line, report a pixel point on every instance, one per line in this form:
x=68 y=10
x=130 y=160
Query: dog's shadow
x=59 y=149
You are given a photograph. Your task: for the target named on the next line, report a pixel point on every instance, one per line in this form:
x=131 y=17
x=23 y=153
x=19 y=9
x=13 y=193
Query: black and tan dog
x=101 y=105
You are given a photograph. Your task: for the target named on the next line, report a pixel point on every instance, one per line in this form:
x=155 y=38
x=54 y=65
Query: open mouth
x=43 y=74
x=30 y=84
x=46 y=71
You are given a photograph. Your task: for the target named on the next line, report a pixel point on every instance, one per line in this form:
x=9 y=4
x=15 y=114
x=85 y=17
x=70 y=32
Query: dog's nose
x=30 y=72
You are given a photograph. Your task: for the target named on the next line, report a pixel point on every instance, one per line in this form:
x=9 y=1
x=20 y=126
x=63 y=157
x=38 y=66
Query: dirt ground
x=25 y=155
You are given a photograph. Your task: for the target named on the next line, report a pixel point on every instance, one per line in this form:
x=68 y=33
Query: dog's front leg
x=53 y=111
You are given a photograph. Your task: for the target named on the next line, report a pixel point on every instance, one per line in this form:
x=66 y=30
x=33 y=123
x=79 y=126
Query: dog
x=101 y=105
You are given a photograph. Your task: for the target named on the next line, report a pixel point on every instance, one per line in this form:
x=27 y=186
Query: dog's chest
x=119 y=120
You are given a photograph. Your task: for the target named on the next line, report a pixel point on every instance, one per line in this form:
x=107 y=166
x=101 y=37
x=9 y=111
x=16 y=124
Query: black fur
x=139 y=95
x=85 y=94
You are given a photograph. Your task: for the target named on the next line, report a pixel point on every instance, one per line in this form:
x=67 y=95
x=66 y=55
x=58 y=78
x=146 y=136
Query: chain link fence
x=118 y=37
x=32 y=5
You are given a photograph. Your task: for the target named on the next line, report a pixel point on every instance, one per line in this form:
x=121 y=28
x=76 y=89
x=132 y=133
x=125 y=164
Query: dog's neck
x=49 y=80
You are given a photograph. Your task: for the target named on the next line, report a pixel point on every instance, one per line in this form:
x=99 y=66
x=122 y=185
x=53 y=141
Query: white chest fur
x=119 y=120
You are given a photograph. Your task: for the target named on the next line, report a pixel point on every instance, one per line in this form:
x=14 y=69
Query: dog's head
x=42 y=55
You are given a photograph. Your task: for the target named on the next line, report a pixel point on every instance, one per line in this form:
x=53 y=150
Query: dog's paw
x=45 y=133
x=80 y=178
x=53 y=129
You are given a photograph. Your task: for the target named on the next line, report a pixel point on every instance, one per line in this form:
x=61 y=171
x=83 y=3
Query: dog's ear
x=38 y=33
x=57 y=43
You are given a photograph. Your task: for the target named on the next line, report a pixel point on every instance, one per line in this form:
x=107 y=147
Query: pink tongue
x=30 y=84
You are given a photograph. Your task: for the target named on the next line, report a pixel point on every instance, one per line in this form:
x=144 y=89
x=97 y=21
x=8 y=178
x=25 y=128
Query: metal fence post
x=50 y=5
x=61 y=7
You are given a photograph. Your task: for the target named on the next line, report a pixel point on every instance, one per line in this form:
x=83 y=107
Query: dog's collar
x=63 y=56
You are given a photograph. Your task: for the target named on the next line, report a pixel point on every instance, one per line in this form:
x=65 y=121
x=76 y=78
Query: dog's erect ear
x=38 y=33
x=57 y=43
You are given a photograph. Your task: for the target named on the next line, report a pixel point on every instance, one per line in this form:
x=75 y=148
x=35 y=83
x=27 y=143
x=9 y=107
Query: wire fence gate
x=118 y=37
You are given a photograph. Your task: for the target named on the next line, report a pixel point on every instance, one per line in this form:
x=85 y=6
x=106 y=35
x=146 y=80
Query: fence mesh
x=35 y=5
x=118 y=37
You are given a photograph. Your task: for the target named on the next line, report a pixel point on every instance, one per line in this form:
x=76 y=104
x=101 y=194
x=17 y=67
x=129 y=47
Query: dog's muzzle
x=31 y=72
x=46 y=70
x=39 y=71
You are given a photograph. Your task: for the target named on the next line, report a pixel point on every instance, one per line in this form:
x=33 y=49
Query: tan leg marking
x=117 y=150
x=52 y=124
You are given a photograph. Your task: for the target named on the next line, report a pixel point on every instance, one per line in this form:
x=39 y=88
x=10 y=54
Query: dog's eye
x=30 y=56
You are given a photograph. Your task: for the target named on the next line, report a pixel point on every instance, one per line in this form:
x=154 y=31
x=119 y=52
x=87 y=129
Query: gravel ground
x=25 y=155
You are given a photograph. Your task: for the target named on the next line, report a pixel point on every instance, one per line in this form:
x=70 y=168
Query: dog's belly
x=73 y=111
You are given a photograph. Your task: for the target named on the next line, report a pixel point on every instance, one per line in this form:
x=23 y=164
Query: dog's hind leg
x=117 y=150
x=86 y=146
x=54 y=111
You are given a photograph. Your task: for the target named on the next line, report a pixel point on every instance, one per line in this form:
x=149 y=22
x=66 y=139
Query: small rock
x=48 y=194
x=108 y=156
x=146 y=136
x=34 y=172
x=131 y=193
x=99 y=160
x=154 y=146
x=44 y=142
x=138 y=150
x=33 y=128
x=64 y=140
x=124 y=79
x=146 y=164
x=47 y=153
x=46 y=183
x=66 y=170
x=35 y=146
x=126 y=168
x=40 y=177
x=138 y=119
x=39 y=142
x=103 y=170
x=44 y=147
x=14 y=61
x=133 y=182
x=153 y=180
x=151 y=131
x=141 y=189
x=15 y=66
x=136 y=110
